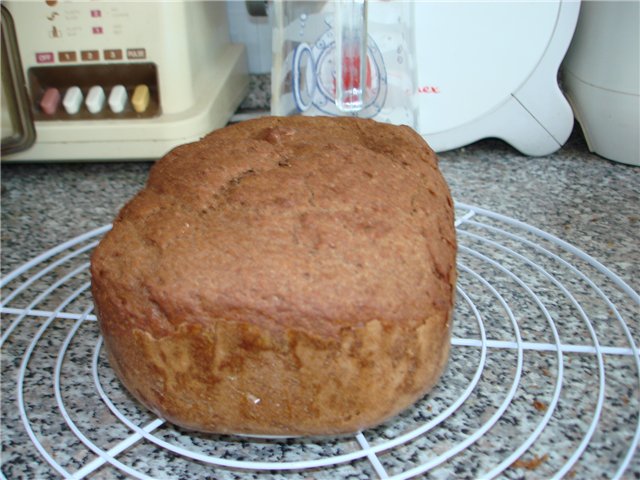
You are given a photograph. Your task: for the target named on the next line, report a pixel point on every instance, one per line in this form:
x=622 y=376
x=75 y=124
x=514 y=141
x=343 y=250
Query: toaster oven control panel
x=120 y=79
x=94 y=92
x=90 y=60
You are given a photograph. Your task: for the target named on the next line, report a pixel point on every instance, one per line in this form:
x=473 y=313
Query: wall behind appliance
x=254 y=32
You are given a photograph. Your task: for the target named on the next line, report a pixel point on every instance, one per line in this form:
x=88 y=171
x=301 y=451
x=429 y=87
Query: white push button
x=72 y=100
x=95 y=99
x=118 y=98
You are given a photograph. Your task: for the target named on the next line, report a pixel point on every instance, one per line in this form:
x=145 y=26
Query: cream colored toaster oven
x=105 y=80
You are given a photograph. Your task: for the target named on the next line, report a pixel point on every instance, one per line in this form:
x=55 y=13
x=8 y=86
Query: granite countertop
x=587 y=201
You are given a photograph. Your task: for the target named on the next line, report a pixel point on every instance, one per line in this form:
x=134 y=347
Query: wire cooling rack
x=543 y=380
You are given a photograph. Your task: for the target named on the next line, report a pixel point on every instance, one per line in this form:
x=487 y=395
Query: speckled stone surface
x=259 y=96
x=555 y=403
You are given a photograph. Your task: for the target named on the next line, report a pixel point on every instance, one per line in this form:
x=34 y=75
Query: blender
x=344 y=57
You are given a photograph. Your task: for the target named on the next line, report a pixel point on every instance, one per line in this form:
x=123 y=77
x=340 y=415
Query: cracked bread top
x=312 y=223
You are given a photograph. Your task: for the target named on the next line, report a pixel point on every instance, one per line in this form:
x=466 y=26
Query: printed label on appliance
x=44 y=57
x=136 y=53
x=90 y=55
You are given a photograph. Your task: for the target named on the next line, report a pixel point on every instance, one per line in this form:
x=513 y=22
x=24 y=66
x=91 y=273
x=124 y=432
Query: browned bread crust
x=282 y=276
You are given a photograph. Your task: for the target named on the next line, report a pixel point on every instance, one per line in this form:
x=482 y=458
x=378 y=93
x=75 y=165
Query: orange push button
x=140 y=98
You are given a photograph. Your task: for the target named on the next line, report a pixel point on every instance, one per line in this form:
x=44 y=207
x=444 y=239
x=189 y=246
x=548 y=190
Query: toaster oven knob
x=50 y=101
x=72 y=100
x=118 y=98
x=95 y=99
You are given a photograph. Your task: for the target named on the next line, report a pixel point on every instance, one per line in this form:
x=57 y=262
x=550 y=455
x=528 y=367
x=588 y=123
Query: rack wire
x=543 y=380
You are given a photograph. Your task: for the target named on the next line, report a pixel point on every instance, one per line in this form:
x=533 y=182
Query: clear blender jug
x=316 y=67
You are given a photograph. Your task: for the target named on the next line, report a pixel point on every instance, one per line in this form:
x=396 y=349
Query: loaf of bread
x=282 y=276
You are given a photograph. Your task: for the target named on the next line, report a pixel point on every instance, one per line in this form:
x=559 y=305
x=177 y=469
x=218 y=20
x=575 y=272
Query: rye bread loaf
x=282 y=276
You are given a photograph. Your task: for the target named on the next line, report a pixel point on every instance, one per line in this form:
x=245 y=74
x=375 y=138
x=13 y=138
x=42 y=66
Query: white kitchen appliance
x=115 y=80
x=601 y=77
x=484 y=69
x=489 y=69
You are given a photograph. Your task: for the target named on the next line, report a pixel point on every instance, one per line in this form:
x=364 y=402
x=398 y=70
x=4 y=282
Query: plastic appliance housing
x=192 y=77
x=489 y=69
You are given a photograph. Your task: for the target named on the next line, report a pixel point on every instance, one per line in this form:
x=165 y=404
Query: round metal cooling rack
x=543 y=380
